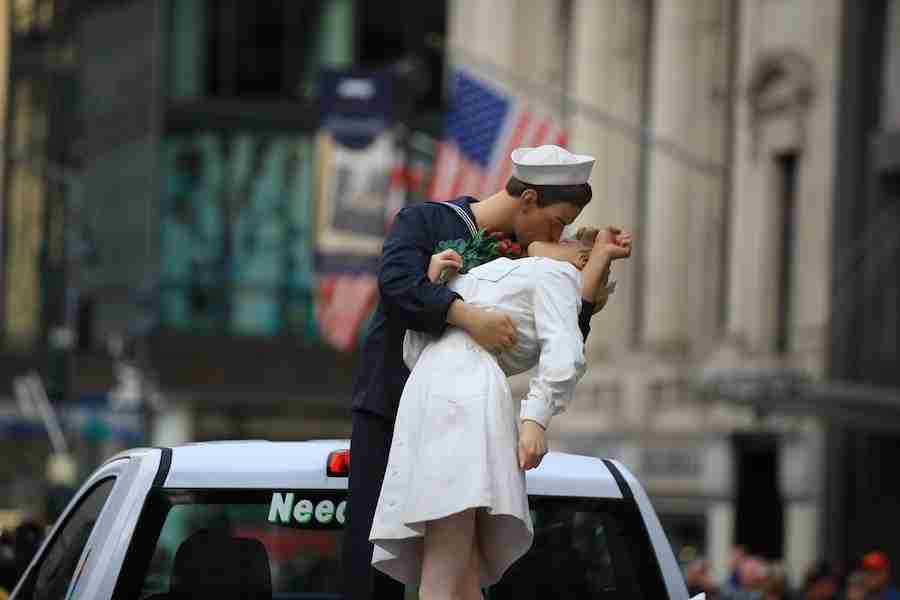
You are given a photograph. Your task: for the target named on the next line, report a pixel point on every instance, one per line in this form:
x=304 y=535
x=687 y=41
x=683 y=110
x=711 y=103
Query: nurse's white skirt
x=454 y=447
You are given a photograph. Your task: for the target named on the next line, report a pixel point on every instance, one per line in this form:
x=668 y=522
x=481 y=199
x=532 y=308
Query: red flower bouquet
x=483 y=247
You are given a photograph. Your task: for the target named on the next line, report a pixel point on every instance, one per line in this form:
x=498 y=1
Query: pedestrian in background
x=699 y=580
x=776 y=586
x=877 y=577
x=856 y=586
x=7 y=563
x=821 y=583
x=752 y=577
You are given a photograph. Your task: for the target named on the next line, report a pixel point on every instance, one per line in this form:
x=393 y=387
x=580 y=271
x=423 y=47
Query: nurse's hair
x=548 y=195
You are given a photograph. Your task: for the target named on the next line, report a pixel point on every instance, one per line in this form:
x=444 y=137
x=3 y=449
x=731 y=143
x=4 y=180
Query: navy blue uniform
x=409 y=300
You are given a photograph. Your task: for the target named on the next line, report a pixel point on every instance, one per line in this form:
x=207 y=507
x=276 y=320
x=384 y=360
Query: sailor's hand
x=532 y=444
x=447 y=260
x=494 y=330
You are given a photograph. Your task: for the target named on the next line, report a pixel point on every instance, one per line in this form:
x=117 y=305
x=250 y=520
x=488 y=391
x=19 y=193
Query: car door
x=62 y=556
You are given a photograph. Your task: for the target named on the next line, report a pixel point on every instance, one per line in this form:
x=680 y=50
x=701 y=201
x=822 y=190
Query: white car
x=257 y=519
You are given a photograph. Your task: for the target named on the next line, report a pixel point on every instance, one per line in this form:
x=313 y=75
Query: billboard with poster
x=358 y=193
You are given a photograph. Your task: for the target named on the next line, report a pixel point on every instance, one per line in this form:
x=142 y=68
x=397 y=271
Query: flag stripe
x=483 y=127
x=438 y=170
x=562 y=138
x=514 y=142
x=492 y=181
x=448 y=171
x=539 y=136
x=471 y=181
x=344 y=303
x=460 y=176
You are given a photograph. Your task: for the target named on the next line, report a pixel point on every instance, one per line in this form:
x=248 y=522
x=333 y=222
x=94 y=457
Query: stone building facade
x=713 y=124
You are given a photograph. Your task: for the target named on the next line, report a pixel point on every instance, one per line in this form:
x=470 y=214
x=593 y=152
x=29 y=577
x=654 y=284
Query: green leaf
x=481 y=248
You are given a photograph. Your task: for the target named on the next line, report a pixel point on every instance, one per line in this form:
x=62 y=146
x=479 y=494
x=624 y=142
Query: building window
x=236 y=234
x=884 y=294
x=252 y=50
x=759 y=500
x=276 y=50
x=413 y=47
x=787 y=182
x=32 y=16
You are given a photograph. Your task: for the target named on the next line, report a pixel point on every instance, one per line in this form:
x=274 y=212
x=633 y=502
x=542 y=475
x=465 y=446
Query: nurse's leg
x=446 y=556
x=472 y=584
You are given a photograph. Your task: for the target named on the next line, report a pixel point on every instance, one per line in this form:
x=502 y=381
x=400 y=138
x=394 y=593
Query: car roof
x=261 y=464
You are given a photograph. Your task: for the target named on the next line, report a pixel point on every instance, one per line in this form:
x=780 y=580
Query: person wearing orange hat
x=877 y=577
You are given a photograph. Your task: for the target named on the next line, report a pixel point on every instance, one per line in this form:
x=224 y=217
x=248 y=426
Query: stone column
x=606 y=59
x=720 y=517
x=683 y=204
x=800 y=469
x=801 y=536
x=719 y=485
x=785 y=105
x=482 y=31
x=541 y=62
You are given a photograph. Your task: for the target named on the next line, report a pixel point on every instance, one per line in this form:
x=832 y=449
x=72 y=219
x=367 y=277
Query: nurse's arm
x=578 y=255
x=561 y=363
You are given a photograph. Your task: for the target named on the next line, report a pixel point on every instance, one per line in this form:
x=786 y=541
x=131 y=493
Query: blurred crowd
x=754 y=578
x=17 y=547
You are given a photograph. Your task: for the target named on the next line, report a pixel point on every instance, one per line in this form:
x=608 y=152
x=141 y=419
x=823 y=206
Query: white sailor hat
x=550 y=165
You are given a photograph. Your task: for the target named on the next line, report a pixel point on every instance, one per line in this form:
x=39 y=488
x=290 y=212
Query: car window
x=584 y=549
x=259 y=543
x=287 y=544
x=50 y=580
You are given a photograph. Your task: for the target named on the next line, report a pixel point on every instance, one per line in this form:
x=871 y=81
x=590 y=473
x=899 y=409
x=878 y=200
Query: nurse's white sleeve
x=557 y=300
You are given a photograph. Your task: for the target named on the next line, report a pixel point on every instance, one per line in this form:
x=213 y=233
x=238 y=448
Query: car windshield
x=287 y=544
x=252 y=543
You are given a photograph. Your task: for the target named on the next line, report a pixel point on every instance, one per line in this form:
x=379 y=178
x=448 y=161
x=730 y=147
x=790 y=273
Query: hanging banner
x=357 y=156
x=353 y=203
x=358 y=194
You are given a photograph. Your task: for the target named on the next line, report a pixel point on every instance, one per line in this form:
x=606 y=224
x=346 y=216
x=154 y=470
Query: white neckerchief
x=462 y=215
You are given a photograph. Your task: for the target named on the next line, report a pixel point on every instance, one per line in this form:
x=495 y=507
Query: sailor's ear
x=528 y=200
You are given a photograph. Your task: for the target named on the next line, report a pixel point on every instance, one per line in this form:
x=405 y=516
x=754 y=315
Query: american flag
x=483 y=127
x=343 y=304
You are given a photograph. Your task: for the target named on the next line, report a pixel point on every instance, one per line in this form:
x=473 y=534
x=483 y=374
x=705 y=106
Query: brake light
x=339 y=463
